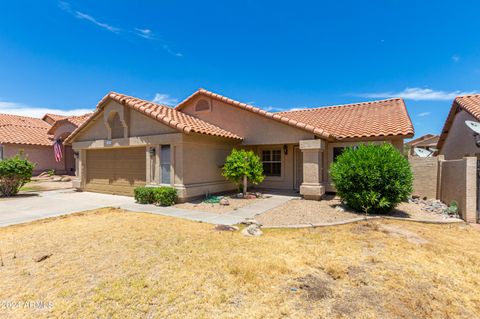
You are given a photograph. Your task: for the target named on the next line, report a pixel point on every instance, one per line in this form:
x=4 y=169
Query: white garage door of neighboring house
x=116 y=171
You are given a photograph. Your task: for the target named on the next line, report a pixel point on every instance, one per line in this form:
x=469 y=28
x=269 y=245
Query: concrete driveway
x=33 y=206
x=40 y=205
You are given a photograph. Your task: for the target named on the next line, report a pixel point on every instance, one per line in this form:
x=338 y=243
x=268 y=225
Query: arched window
x=202 y=105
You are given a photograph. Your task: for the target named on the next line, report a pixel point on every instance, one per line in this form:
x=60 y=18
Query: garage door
x=115 y=171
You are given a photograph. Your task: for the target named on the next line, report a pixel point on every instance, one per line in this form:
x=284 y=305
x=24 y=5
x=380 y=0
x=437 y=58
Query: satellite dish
x=474 y=126
x=422 y=152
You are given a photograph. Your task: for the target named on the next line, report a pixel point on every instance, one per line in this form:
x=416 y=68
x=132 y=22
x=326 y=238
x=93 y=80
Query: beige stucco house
x=129 y=142
x=34 y=138
x=457 y=140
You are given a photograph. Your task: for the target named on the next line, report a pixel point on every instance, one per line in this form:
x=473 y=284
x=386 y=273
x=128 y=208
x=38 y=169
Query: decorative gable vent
x=202 y=105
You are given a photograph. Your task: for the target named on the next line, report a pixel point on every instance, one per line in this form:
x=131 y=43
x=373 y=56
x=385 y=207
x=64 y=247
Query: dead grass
x=113 y=264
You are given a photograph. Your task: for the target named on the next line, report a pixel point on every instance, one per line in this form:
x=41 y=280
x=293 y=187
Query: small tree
x=14 y=173
x=372 y=178
x=242 y=167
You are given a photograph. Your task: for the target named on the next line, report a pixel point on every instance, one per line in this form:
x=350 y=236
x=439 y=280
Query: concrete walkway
x=42 y=205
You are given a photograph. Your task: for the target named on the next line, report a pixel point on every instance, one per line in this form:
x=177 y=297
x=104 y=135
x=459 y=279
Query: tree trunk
x=244 y=185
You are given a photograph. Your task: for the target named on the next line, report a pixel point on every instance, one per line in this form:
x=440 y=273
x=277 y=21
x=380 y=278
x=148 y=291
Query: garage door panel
x=116 y=171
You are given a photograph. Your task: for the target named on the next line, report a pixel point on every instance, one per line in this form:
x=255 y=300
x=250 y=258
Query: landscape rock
x=66 y=179
x=340 y=209
x=251 y=221
x=224 y=202
x=252 y=231
x=226 y=228
x=239 y=195
x=250 y=196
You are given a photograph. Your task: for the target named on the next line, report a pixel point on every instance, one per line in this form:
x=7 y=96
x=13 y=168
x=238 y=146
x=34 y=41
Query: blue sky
x=66 y=55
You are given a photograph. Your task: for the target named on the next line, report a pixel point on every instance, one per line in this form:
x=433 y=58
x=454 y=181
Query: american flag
x=57 y=149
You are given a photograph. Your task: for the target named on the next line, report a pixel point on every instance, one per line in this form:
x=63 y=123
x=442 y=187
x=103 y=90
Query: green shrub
x=372 y=178
x=144 y=195
x=14 y=173
x=242 y=166
x=165 y=196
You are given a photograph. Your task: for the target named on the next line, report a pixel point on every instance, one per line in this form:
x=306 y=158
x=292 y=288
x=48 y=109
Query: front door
x=297 y=167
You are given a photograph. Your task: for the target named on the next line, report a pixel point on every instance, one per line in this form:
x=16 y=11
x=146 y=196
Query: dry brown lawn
x=114 y=264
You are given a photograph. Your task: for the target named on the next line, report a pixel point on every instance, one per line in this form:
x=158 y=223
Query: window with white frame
x=272 y=162
x=165 y=164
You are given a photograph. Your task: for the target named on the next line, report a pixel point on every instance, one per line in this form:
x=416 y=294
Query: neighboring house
x=457 y=140
x=35 y=137
x=427 y=142
x=129 y=142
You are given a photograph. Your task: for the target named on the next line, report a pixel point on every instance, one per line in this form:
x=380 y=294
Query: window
x=1 y=152
x=272 y=162
x=337 y=151
x=165 y=164
x=202 y=106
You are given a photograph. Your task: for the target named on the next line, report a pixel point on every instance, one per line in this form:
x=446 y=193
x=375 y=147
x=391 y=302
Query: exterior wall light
x=75 y=154
x=285 y=149
x=152 y=151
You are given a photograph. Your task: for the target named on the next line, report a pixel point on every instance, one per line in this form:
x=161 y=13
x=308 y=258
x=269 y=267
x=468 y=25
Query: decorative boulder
x=250 y=196
x=252 y=231
x=224 y=202
x=239 y=195
x=226 y=228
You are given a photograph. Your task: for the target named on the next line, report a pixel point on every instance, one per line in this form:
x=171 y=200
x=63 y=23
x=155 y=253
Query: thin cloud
x=32 y=111
x=418 y=94
x=65 y=6
x=145 y=33
x=455 y=58
x=423 y=114
x=165 y=99
x=84 y=16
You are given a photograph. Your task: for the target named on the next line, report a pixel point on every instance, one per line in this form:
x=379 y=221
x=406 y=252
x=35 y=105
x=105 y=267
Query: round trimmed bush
x=372 y=178
x=14 y=173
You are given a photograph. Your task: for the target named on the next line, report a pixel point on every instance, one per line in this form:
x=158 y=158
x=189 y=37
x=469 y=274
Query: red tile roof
x=9 y=119
x=320 y=131
x=12 y=134
x=162 y=113
x=468 y=103
x=76 y=120
x=367 y=119
x=55 y=117
x=15 y=129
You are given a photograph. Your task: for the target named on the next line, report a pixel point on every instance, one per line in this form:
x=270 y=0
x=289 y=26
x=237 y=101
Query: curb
x=356 y=220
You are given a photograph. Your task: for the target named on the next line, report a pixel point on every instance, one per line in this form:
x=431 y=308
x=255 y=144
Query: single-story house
x=129 y=142
x=457 y=140
x=34 y=138
x=427 y=142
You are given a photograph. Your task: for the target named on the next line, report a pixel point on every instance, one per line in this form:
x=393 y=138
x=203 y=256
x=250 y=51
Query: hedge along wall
x=449 y=180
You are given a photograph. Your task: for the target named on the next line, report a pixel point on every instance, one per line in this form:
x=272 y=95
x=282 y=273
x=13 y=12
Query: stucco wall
x=459 y=183
x=42 y=156
x=460 y=141
x=138 y=125
x=425 y=173
x=203 y=158
x=328 y=154
x=286 y=180
x=255 y=128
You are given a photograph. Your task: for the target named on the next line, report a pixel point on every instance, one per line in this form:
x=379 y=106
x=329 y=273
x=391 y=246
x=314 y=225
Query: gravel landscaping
x=234 y=204
x=331 y=210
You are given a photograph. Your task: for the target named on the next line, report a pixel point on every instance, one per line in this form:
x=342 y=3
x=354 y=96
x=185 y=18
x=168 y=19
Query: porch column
x=312 y=186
